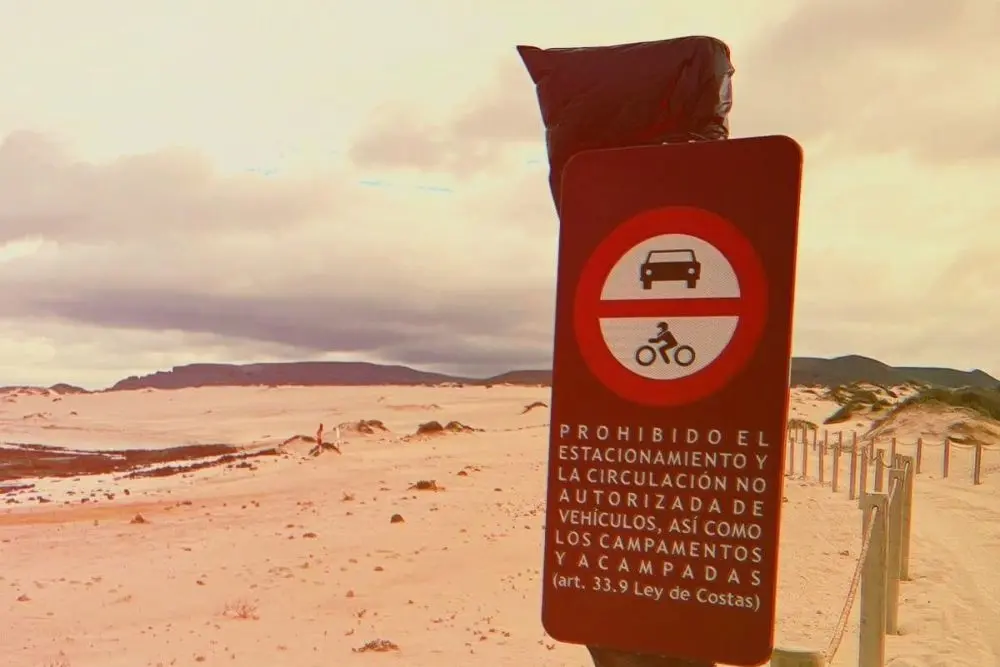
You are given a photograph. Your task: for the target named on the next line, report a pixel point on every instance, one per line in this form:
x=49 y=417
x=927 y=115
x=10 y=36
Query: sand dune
x=426 y=550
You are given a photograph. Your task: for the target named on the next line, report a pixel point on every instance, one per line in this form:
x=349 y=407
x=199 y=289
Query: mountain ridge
x=856 y=368
x=805 y=371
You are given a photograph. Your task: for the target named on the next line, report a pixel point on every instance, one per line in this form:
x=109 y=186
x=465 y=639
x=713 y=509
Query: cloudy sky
x=252 y=180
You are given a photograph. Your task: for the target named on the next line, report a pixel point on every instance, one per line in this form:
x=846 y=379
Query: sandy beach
x=427 y=547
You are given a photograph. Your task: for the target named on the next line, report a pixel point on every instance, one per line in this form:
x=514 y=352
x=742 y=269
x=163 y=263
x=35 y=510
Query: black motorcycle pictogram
x=646 y=355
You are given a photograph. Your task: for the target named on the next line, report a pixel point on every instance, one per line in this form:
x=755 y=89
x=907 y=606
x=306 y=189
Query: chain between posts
x=841 y=627
x=882 y=456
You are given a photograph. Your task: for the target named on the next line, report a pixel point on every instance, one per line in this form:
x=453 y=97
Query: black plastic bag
x=630 y=95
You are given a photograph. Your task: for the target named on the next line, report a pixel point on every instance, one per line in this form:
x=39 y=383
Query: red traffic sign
x=670 y=398
x=726 y=312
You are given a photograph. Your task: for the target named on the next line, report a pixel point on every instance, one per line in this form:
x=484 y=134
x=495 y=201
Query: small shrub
x=843 y=413
x=365 y=426
x=881 y=404
x=425 y=485
x=243 y=610
x=984 y=402
x=377 y=646
x=429 y=427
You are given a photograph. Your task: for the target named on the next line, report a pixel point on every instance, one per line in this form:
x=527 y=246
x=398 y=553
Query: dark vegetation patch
x=24 y=461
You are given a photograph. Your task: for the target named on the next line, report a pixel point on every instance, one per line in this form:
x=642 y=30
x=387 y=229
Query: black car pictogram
x=670 y=266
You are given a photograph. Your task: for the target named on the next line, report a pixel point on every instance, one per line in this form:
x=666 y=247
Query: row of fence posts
x=867 y=453
x=884 y=560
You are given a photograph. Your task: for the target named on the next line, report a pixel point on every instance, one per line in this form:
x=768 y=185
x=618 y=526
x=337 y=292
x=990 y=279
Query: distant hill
x=830 y=373
x=526 y=377
x=805 y=371
x=61 y=389
x=854 y=368
x=300 y=373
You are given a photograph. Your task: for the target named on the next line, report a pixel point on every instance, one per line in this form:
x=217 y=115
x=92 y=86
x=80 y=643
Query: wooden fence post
x=894 y=550
x=852 y=492
x=835 y=476
x=805 y=458
x=892 y=450
x=863 y=478
x=920 y=455
x=791 y=454
x=879 y=471
x=977 y=466
x=906 y=464
x=871 y=640
x=821 y=456
x=946 y=466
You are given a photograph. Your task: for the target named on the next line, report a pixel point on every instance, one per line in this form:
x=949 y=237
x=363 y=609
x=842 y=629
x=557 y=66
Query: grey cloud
x=499 y=327
x=457 y=332
x=499 y=352
x=525 y=204
x=399 y=141
x=506 y=112
x=468 y=142
x=873 y=77
x=267 y=264
x=850 y=76
x=817 y=28
x=45 y=192
x=396 y=140
x=939 y=313
x=339 y=274
x=96 y=357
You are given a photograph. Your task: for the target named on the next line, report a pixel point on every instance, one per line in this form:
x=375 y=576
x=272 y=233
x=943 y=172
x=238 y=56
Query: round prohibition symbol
x=658 y=268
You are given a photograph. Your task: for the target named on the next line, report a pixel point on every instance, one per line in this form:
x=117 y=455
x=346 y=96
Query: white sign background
x=709 y=336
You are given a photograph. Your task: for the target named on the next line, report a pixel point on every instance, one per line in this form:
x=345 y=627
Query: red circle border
x=750 y=275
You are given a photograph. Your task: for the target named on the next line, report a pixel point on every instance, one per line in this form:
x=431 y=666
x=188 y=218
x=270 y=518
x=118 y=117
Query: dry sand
x=294 y=560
